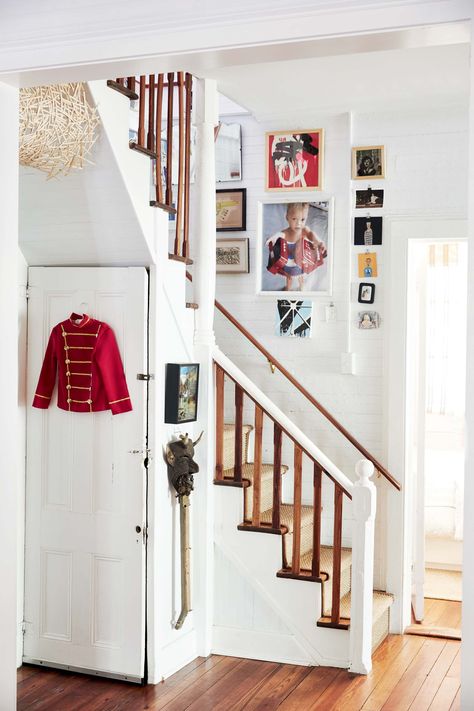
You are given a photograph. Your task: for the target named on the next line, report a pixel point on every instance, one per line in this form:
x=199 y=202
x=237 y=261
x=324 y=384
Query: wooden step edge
x=177 y=258
x=263 y=528
x=343 y=624
x=141 y=149
x=439 y=632
x=230 y=482
x=132 y=95
x=302 y=575
x=163 y=206
x=191 y=305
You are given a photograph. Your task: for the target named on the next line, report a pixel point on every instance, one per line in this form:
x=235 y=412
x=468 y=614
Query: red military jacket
x=84 y=353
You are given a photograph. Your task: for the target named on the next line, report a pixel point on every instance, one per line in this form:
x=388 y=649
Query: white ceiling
x=298 y=90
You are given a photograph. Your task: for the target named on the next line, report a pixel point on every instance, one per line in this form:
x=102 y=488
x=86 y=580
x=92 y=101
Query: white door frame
x=399 y=511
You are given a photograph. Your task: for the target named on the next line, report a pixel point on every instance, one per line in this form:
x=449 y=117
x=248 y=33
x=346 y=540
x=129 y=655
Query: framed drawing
x=368 y=320
x=181 y=392
x=368 y=198
x=367 y=263
x=228 y=152
x=294 y=159
x=232 y=255
x=231 y=206
x=293 y=318
x=295 y=247
x=368 y=162
x=368 y=230
x=366 y=293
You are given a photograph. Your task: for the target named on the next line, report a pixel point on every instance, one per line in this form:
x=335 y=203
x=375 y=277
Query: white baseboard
x=264 y=646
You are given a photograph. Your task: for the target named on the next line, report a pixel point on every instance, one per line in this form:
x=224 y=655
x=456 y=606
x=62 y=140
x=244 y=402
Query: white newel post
x=364 y=498
x=204 y=279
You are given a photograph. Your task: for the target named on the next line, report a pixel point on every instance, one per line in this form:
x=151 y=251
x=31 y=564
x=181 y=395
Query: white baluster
x=364 y=497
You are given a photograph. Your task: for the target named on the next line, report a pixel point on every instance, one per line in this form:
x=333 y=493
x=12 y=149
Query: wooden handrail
x=274 y=361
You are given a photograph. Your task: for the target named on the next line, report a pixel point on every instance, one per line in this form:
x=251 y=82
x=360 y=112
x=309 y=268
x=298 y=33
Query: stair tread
x=326 y=560
x=286 y=515
x=247 y=472
x=381 y=602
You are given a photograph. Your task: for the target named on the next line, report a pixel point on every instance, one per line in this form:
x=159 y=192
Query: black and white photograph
x=368 y=320
x=368 y=162
x=368 y=231
x=366 y=293
x=293 y=318
x=232 y=255
x=294 y=249
x=369 y=198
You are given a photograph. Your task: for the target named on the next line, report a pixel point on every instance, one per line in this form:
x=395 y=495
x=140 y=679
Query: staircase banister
x=285 y=423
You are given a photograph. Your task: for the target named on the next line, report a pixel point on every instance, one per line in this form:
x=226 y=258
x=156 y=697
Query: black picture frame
x=373 y=226
x=366 y=293
x=181 y=392
x=231 y=210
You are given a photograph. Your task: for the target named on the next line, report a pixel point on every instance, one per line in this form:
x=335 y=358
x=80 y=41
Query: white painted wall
x=11 y=472
x=22 y=408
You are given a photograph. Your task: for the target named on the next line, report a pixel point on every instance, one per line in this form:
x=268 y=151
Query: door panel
x=85 y=561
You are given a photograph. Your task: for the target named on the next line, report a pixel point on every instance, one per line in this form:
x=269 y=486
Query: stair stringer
x=257 y=556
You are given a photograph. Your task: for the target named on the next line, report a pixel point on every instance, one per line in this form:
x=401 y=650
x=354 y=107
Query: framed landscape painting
x=294 y=160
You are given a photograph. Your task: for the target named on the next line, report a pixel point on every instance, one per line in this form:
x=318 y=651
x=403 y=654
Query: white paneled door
x=86 y=486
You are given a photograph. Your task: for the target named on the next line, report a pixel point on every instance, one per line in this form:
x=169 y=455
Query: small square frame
x=366 y=293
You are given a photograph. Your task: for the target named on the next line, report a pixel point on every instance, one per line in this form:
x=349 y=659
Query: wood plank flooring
x=409 y=672
x=442 y=619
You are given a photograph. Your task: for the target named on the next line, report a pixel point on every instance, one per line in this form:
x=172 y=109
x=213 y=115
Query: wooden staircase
x=382 y=601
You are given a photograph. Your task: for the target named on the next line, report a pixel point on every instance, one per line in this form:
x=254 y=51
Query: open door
x=86 y=486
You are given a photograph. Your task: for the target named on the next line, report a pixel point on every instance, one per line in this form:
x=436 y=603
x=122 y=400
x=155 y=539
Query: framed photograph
x=366 y=293
x=294 y=159
x=368 y=162
x=232 y=255
x=368 y=198
x=295 y=248
x=368 y=320
x=181 y=392
x=368 y=231
x=231 y=210
x=367 y=262
x=293 y=318
x=228 y=152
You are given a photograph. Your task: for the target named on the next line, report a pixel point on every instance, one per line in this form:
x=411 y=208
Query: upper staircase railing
x=275 y=364
x=155 y=94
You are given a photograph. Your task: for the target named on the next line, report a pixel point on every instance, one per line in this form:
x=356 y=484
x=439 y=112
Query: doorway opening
x=436 y=369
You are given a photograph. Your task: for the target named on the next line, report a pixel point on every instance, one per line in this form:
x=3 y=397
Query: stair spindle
x=336 y=556
x=317 y=484
x=131 y=83
x=151 y=113
x=219 y=424
x=257 y=467
x=159 y=120
x=277 y=433
x=141 y=112
x=169 y=143
x=187 y=162
x=239 y=403
x=298 y=470
x=181 y=137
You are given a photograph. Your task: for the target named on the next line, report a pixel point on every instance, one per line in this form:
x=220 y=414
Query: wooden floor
x=409 y=672
x=442 y=618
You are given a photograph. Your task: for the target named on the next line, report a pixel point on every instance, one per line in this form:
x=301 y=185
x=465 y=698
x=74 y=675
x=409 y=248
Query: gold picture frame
x=294 y=160
x=368 y=162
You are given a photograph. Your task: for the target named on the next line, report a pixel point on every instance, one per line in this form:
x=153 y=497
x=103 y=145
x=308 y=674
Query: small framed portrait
x=368 y=162
x=293 y=318
x=231 y=210
x=294 y=159
x=366 y=293
x=295 y=248
x=368 y=231
x=368 y=320
x=367 y=263
x=232 y=255
x=368 y=198
x=181 y=392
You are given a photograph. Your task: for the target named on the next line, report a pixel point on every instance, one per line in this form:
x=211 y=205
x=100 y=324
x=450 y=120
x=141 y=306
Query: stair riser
x=229 y=449
x=327 y=589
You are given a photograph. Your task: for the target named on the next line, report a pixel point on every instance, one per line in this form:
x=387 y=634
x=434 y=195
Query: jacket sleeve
x=111 y=369
x=47 y=378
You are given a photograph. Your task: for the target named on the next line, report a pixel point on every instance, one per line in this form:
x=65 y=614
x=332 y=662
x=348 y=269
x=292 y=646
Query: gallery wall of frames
x=306 y=268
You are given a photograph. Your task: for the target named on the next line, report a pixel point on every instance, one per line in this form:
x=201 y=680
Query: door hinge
x=145 y=376
x=145 y=535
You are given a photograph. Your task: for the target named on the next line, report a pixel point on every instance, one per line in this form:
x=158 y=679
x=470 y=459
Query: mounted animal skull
x=181 y=465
